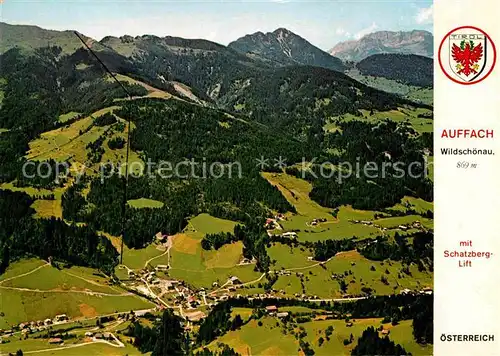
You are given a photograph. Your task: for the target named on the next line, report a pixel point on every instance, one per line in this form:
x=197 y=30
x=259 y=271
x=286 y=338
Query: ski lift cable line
x=124 y=202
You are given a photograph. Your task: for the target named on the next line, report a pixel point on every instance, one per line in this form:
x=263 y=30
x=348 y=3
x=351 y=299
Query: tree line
x=21 y=235
x=167 y=337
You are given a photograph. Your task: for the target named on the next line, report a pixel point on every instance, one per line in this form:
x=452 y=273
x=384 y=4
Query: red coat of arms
x=468 y=55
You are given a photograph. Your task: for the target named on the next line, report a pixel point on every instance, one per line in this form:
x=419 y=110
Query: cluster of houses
x=414 y=225
x=427 y=291
x=36 y=326
x=247 y=261
x=272 y=310
x=234 y=280
x=187 y=297
x=289 y=234
x=162 y=268
x=100 y=335
x=273 y=223
x=151 y=278
x=89 y=334
x=160 y=286
x=315 y=222
x=232 y=284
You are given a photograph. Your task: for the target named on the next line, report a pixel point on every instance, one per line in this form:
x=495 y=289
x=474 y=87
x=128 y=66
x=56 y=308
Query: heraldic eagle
x=467 y=56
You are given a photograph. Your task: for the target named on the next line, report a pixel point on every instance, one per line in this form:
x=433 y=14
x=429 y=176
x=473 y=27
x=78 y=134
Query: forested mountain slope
x=207 y=67
x=300 y=98
x=292 y=103
x=408 y=69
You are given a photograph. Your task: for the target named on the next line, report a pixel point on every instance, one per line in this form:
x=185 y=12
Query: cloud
x=366 y=31
x=340 y=31
x=212 y=36
x=424 y=15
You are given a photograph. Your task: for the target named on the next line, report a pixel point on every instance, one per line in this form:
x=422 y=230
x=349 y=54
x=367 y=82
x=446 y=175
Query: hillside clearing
x=145 y=203
x=273 y=338
x=296 y=191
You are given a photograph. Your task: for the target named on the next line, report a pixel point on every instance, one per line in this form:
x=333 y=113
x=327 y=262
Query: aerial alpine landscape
x=267 y=193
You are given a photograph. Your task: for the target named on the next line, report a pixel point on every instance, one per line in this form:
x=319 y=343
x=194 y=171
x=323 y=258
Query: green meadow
x=145 y=203
x=272 y=337
x=413 y=93
x=47 y=208
x=188 y=261
x=35 y=290
x=152 y=91
x=28 y=305
x=21 y=267
x=409 y=115
x=419 y=205
x=78 y=345
x=401 y=334
x=394 y=222
x=68 y=116
x=69 y=143
x=77 y=348
x=135 y=259
x=33 y=192
x=289 y=257
x=201 y=268
x=207 y=224
x=49 y=278
x=296 y=191
x=358 y=272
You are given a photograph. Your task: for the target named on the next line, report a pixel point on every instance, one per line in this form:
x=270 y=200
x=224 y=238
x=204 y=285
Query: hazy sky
x=323 y=23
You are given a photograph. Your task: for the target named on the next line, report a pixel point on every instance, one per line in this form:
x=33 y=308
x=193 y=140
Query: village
x=54 y=330
x=190 y=304
x=404 y=227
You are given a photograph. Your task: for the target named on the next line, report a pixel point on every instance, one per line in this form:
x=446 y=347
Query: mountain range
x=277 y=48
x=412 y=42
x=258 y=75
